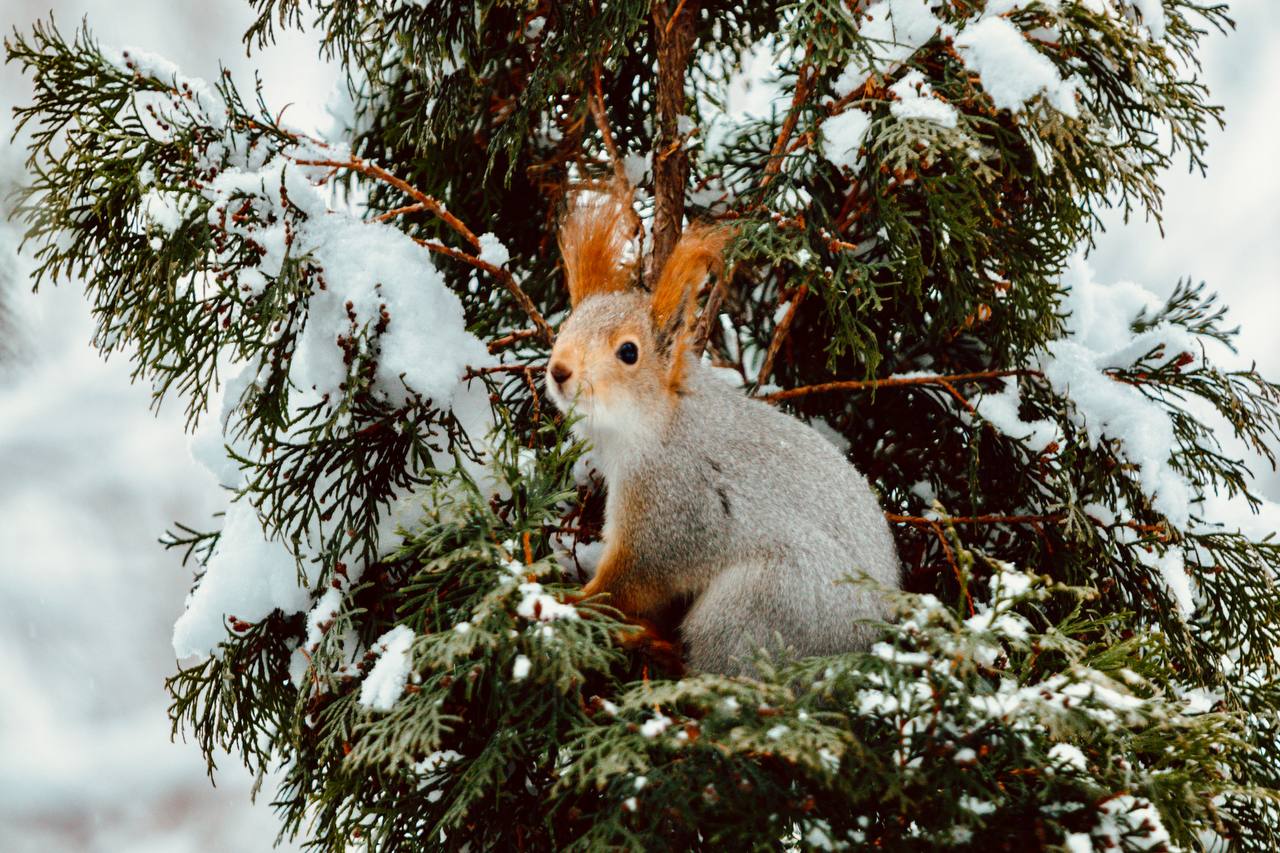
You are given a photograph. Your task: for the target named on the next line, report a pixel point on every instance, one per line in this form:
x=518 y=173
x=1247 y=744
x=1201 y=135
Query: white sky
x=1223 y=228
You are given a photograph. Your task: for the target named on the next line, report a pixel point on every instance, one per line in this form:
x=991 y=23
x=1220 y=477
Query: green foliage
x=1086 y=704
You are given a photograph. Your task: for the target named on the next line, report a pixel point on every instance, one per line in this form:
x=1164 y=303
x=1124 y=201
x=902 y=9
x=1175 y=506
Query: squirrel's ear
x=698 y=254
x=593 y=238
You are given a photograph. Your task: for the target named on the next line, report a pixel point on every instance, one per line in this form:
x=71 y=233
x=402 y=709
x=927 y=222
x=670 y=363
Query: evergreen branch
x=918 y=245
x=923 y=521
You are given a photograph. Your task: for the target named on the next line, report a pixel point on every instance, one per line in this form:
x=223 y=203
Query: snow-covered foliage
x=319 y=313
x=1084 y=367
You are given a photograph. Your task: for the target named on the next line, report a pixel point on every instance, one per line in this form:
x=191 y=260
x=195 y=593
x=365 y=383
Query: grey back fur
x=758 y=519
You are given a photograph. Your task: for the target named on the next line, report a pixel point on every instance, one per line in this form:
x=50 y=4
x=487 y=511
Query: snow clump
x=385 y=683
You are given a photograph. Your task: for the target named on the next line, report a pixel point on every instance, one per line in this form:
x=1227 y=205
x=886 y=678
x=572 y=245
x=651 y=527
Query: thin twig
x=951 y=560
x=804 y=86
x=935 y=526
x=514 y=337
x=780 y=334
x=951 y=389
x=373 y=170
x=921 y=521
x=595 y=100
x=400 y=211
x=710 y=310
x=894 y=382
x=525 y=369
x=670 y=21
x=504 y=276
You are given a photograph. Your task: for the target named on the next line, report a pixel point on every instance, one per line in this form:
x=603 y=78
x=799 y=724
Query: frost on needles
x=355 y=325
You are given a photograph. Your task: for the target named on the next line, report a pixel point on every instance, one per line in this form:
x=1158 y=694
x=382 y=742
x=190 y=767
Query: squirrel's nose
x=560 y=373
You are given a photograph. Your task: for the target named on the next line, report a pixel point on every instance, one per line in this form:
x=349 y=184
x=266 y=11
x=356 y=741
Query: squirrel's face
x=619 y=360
x=606 y=364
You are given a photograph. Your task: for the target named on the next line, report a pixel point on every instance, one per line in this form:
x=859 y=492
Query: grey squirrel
x=712 y=497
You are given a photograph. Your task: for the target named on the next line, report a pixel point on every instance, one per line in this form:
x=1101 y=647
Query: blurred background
x=90 y=476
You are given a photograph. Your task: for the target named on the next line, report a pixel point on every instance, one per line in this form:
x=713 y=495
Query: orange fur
x=629 y=590
x=593 y=237
x=699 y=253
x=624 y=588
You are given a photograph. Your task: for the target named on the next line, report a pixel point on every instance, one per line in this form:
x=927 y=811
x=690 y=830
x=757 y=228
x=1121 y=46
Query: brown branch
x=951 y=389
x=508 y=281
x=710 y=310
x=804 y=87
x=426 y=202
x=595 y=101
x=849 y=213
x=951 y=561
x=516 y=336
x=673 y=35
x=921 y=521
x=780 y=334
x=525 y=369
x=935 y=527
x=670 y=21
x=373 y=170
x=893 y=382
x=400 y=211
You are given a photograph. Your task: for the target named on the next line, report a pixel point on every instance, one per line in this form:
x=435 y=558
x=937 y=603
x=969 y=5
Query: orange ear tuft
x=593 y=238
x=698 y=254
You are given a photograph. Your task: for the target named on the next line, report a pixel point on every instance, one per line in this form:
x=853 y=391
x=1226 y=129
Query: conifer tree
x=1085 y=653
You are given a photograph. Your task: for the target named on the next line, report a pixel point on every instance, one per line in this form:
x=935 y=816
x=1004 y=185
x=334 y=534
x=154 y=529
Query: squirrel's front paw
x=644 y=639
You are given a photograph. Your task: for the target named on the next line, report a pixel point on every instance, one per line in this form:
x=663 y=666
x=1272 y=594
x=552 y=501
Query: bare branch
x=893 y=382
x=595 y=100
x=373 y=170
x=426 y=202
x=780 y=333
x=674 y=37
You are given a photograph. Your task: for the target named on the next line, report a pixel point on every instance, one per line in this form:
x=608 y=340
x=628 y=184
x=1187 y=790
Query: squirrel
x=711 y=496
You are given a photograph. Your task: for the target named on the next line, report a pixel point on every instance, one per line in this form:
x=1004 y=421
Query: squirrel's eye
x=627 y=353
